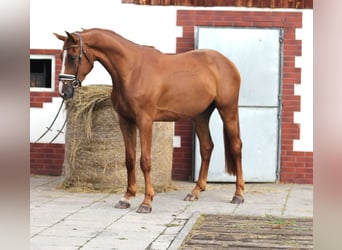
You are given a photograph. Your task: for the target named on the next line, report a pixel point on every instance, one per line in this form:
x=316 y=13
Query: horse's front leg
x=145 y=129
x=129 y=134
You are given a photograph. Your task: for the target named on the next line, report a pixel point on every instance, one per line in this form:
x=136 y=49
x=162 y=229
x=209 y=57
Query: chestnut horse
x=151 y=86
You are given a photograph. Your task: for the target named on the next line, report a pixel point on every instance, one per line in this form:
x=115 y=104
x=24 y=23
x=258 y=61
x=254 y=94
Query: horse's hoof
x=190 y=197
x=237 y=199
x=123 y=204
x=144 y=209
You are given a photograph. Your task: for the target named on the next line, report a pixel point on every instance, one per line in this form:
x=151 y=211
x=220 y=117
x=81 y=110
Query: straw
x=94 y=149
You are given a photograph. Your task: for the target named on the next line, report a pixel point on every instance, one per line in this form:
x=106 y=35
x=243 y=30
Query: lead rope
x=49 y=128
x=60 y=131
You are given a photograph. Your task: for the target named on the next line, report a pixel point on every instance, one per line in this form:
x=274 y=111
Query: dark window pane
x=40 y=75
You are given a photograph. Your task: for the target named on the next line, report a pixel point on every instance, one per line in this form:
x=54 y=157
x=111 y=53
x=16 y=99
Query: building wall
x=169 y=30
x=46 y=159
x=296 y=166
x=237 y=3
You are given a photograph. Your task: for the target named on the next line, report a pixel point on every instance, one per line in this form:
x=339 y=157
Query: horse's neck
x=116 y=54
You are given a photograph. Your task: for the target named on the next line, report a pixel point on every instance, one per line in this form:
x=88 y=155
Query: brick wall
x=296 y=167
x=38 y=98
x=298 y=4
x=46 y=159
x=182 y=157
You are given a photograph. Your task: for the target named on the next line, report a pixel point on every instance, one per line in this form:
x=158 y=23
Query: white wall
x=305 y=88
x=153 y=26
x=148 y=25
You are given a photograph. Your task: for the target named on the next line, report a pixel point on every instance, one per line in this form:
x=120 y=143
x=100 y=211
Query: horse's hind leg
x=206 y=148
x=233 y=149
x=128 y=130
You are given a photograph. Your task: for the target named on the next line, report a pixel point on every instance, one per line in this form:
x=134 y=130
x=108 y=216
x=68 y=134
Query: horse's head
x=74 y=67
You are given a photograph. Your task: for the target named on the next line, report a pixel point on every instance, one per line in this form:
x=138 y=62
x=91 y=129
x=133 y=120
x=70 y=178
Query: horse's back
x=213 y=60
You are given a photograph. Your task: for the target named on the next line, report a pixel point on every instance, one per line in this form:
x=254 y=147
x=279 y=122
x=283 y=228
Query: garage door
x=257 y=54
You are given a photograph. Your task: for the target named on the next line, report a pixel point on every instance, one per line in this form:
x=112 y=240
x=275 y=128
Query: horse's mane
x=113 y=33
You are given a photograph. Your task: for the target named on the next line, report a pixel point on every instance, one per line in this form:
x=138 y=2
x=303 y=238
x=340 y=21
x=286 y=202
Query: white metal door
x=257 y=54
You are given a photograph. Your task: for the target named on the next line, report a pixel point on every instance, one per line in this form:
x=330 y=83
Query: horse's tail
x=230 y=154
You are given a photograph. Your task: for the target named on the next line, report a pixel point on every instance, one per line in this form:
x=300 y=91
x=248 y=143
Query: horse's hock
x=94 y=148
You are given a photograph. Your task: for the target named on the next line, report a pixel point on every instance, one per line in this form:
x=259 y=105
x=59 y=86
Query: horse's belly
x=167 y=114
x=182 y=112
x=185 y=104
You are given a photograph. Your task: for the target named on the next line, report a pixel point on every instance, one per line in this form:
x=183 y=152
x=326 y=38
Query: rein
x=49 y=128
x=64 y=78
x=75 y=83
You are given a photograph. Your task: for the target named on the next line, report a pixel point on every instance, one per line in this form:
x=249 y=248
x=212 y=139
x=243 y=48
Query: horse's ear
x=70 y=36
x=60 y=37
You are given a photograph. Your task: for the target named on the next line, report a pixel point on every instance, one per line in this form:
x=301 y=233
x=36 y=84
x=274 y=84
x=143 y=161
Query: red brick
x=38 y=98
x=45 y=160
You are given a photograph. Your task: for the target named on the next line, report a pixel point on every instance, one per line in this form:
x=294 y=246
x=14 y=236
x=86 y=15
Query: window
x=42 y=73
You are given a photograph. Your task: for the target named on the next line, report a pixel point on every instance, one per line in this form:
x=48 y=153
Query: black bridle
x=75 y=80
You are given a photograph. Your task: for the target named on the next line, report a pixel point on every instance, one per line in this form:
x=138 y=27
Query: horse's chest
x=123 y=108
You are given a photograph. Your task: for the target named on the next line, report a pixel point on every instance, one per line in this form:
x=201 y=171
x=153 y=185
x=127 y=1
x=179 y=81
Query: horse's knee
x=145 y=164
x=130 y=162
x=206 y=151
x=207 y=148
x=237 y=147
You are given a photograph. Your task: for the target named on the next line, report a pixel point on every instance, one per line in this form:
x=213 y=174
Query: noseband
x=64 y=78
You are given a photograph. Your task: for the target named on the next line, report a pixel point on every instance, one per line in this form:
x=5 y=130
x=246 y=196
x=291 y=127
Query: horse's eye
x=72 y=58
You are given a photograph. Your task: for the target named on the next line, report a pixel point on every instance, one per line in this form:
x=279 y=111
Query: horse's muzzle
x=67 y=83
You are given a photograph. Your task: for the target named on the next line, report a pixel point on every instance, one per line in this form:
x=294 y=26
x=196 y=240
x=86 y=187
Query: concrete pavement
x=64 y=220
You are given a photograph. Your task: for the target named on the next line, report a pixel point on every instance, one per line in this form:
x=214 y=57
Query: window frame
x=53 y=72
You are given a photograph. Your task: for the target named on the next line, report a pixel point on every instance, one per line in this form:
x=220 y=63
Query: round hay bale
x=94 y=148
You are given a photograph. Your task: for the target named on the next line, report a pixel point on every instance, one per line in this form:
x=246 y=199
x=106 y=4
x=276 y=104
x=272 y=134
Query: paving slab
x=66 y=220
